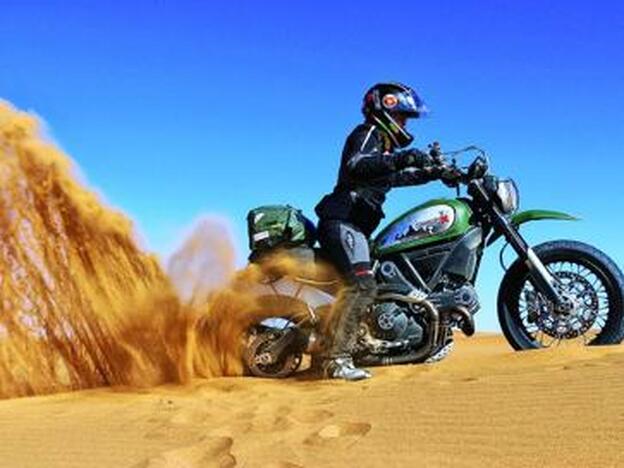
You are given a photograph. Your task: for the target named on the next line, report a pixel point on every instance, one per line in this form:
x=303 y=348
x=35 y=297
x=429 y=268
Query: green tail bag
x=281 y=226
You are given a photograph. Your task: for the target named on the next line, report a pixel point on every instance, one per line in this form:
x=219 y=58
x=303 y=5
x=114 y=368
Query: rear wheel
x=261 y=362
x=587 y=276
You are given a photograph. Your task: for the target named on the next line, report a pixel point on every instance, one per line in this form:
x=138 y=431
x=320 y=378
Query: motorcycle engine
x=461 y=296
x=388 y=321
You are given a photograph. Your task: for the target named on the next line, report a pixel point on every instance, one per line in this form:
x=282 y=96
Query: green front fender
x=536 y=215
x=533 y=215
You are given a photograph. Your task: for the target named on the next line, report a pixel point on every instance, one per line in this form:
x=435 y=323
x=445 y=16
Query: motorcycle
x=426 y=263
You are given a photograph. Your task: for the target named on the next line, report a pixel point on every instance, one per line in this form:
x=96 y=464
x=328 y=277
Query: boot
x=343 y=368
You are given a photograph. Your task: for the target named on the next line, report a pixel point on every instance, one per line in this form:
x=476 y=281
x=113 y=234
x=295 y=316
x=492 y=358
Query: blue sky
x=174 y=109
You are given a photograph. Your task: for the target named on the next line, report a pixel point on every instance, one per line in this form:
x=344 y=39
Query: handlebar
x=453 y=173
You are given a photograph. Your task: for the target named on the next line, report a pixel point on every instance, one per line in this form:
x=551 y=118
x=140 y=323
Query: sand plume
x=204 y=262
x=82 y=306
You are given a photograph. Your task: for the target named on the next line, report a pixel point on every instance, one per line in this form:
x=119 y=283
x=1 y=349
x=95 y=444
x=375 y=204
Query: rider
x=373 y=161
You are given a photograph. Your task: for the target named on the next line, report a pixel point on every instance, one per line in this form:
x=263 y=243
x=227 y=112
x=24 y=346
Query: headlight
x=508 y=196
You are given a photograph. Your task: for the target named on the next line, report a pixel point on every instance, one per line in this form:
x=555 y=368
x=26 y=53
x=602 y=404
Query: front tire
x=528 y=319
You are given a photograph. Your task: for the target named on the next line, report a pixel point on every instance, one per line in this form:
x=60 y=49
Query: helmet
x=384 y=100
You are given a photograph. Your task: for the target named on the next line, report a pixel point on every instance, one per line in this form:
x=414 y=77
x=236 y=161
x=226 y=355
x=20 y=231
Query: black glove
x=441 y=170
x=435 y=151
x=412 y=158
x=449 y=175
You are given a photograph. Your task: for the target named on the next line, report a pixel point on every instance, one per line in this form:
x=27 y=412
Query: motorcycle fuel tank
x=431 y=222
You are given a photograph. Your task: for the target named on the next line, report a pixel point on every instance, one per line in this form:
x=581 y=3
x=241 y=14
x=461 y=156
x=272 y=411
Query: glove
x=436 y=152
x=412 y=158
x=441 y=170
x=449 y=176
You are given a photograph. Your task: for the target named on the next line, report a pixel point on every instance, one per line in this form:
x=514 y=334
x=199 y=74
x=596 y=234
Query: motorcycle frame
x=493 y=223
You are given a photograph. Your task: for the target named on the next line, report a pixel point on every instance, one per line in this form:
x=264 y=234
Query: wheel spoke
x=547 y=326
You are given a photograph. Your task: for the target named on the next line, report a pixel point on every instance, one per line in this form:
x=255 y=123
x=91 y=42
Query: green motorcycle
x=426 y=263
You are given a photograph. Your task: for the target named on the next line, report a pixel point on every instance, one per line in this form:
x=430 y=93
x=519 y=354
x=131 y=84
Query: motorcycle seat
x=314 y=267
x=319 y=273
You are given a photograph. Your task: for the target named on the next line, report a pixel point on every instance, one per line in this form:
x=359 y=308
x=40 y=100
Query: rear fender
x=289 y=298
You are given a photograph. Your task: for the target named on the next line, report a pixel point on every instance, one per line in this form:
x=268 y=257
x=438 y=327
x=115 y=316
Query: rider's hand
x=440 y=169
x=449 y=175
x=435 y=151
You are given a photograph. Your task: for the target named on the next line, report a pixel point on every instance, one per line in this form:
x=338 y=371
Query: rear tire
x=256 y=358
x=524 y=313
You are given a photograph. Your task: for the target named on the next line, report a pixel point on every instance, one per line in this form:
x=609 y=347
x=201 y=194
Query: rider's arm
x=418 y=168
x=365 y=159
x=411 y=176
x=449 y=175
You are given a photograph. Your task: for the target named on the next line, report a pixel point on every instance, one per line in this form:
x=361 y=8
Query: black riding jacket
x=368 y=170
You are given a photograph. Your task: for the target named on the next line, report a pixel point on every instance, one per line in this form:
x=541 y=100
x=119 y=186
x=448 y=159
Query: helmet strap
x=386 y=142
x=386 y=130
x=400 y=138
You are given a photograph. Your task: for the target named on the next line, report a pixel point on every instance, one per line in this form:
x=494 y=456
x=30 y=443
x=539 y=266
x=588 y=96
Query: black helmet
x=385 y=99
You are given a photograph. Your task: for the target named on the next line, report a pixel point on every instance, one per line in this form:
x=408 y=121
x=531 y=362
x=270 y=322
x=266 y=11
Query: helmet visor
x=411 y=104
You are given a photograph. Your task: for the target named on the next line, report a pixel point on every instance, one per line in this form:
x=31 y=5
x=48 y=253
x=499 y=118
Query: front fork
x=544 y=281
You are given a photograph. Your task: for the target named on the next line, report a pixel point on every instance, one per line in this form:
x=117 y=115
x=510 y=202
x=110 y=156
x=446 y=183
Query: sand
x=484 y=406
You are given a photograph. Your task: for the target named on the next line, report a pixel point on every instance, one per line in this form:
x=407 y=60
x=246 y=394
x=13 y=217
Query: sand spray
x=82 y=306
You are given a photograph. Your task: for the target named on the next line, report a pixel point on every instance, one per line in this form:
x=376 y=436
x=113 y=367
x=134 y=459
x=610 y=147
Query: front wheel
x=587 y=276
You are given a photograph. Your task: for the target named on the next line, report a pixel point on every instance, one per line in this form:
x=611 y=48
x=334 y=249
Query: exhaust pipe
x=466 y=325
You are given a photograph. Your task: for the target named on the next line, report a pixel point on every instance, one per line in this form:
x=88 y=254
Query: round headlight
x=508 y=196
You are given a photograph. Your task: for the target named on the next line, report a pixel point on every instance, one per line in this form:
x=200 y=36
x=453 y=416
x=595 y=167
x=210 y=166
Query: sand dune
x=484 y=406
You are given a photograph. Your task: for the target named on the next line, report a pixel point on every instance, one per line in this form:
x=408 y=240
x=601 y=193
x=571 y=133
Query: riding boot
x=348 y=313
x=343 y=368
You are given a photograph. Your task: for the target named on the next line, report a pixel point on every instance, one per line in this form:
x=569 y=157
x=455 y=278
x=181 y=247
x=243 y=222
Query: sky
x=173 y=110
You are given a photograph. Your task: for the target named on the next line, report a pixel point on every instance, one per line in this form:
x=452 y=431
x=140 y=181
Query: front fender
x=536 y=215
x=532 y=215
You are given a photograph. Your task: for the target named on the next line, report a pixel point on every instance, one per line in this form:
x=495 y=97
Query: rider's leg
x=348 y=247
x=350 y=308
